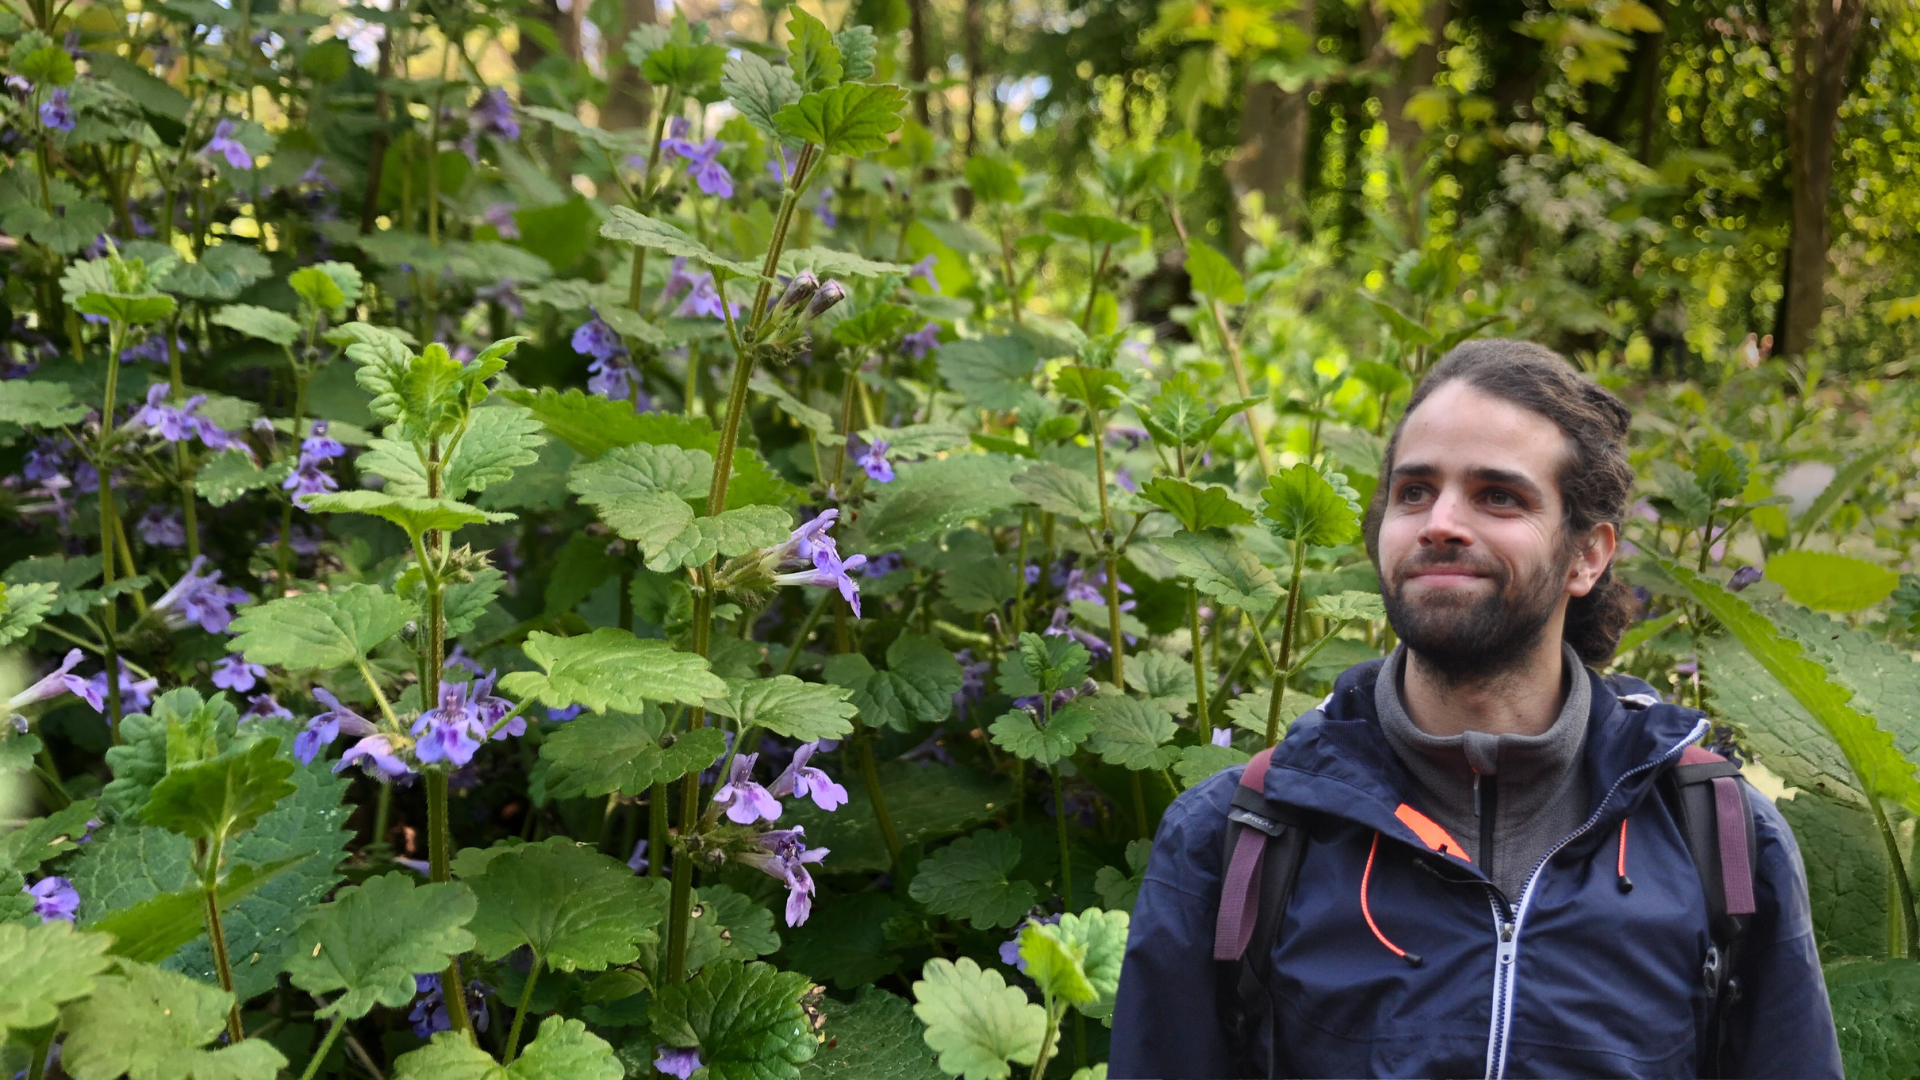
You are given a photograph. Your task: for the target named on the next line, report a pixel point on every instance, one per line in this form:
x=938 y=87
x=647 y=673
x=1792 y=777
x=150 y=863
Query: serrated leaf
x=916 y=688
x=874 y=1038
x=1846 y=868
x=685 y=66
x=1831 y=582
x=611 y=669
x=1090 y=228
x=1119 y=890
x=223 y=272
x=156 y=928
x=576 y=908
x=1057 y=489
x=632 y=227
x=150 y=1024
x=1205 y=759
x=47 y=965
x=758 y=89
x=857 y=45
x=1127 y=731
x=730 y=926
x=993 y=373
x=746 y=1020
x=25 y=847
x=25 y=607
x=1348 y=606
x=1054 y=965
x=1096 y=388
x=1249 y=711
x=1163 y=677
x=319 y=630
x=845 y=943
x=498 y=440
x=1097 y=940
x=975 y=1021
x=1311 y=506
x=464 y=602
x=416 y=515
x=1876 y=1014
x=1195 y=508
x=233 y=473
x=969 y=879
x=1020 y=733
x=993 y=180
x=598 y=755
x=372 y=939
x=258 y=322
x=930 y=498
x=1041 y=664
x=812 y=53
x=34 y=404
x=852 y=118
x=1223 y=570
x=563 y=1050
x=212 y=800
x=826 y=262
x=788 y=707
x=1213 y=274
x=327 y=286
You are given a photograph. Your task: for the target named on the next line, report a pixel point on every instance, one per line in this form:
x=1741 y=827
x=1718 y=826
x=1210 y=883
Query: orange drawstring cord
x=1366 y=877
x=1620 y=868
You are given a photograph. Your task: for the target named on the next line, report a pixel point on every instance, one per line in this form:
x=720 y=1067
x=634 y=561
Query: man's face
x=1474 y=561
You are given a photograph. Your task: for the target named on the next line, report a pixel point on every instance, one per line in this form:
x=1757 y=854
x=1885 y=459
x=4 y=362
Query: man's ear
x=1591 y=557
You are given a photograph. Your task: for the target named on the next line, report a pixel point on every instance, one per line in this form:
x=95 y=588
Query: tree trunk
x=917 y=57
x=1272 y=154
x=566 y=27
x=1416 y=72
x=627 y=96
x=1824 y=33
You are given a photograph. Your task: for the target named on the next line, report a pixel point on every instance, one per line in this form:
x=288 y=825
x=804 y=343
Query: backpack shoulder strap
x=1264 y=845
x=1718 y=824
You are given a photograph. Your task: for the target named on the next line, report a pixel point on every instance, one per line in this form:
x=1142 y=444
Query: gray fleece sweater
x=1516 y=794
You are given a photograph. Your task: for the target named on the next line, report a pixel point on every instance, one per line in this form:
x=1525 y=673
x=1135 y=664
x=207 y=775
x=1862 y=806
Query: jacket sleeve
x=1166 y=1021
x=1783 y=1025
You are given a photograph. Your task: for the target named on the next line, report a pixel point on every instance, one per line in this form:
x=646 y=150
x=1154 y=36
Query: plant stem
x=1119 y=641
x=1232 y=344
x=1139 y=803
x=109 y=612
x=217 y=937
x=440 y=864
x=870 y=775
x=520 y=1012
x=1020 y=578
x=1046 y=1044
x=1903 y=929
x=1280 y=670
x=656 y=829
x=1199 y=661
x=326 y=1044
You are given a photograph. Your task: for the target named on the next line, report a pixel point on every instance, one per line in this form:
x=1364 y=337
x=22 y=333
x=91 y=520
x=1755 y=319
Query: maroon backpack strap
x=1240 y=889
x=1731 y=828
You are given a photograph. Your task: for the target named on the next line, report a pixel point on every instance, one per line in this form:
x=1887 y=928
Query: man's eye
x=1412 y=493
x=1501 y=498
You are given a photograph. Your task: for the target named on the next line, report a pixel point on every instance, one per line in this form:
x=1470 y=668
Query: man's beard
x=1465 y=640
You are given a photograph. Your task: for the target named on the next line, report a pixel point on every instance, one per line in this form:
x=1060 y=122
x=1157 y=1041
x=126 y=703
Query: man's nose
x=1443 y=525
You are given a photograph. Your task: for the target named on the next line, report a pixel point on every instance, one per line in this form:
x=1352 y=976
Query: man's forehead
x=1460 y=430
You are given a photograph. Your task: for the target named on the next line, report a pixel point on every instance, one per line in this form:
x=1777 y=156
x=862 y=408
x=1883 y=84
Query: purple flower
x=744 y=799
x=161 y=526
x=803 y=779
x=704 y=300
x=55 y=113
x=561 y=716
x=55 y=899
x=596 y=339
x=198 y=598
x=376 y=757
x=874 y=461
x=319 y=444
x=924 y=271
x=637 y=862
x=679 y=279
x=678 y=1061
x=785 y=856
x=135 y=695
x=611 y=378
x=500 y=216
x=675 y=141
x=829 y=572
x=885 y=564
x=266 y=707
x=60 y=680
x=704 y=167
x=493 y=115
x=1223 y=736
x=809 y=538
x=323 y=728
x=505 y=294
x=429 y=1013
x=922 y=341
x=179 y=423
x=824 y=209
x=224 y=144
x=467 y=712
x=153 y=350
x=1744 y=577
x=1010 y=950
x=234 y=673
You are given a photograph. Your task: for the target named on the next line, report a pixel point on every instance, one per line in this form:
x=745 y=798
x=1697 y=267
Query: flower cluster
x=452 y=731
x=429 y=1013
x=315 y=450
x=54 y=899
x=60 y=680
x=703 y=164
x=178 y=423
x=783 y=853
x=198 y=598
x=610 y=373
x=745 y=801
x=55 y=112
x=809 y=544
x=874 y=461
x=225 y=145
x=161 y=526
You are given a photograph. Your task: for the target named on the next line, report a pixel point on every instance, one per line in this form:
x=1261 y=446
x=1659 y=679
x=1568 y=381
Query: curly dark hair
x=1596 y=480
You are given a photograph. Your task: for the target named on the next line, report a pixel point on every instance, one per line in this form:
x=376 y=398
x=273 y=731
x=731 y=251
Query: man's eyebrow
x=1485 y=474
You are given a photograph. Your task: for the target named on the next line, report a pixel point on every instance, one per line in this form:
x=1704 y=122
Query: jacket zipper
x=1506 y=968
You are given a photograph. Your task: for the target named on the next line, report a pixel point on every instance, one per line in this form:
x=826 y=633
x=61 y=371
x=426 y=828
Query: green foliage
x=563 y=1050
x=1195 y=508
x=374 y=938
x=49 y=964
x=874 y=1038
x=575 y=908
x=1310 y=506
x=212 y=800
x=975 y=1021
x=156 y=1025
x=612 y=669
x=1876 y=1012
x=746 y=1019
x=618 y=751
x=1223 y=570
x=1831 y=582
x=787 y=707
x=969 y=879
x=917 y=686
x=1126 y=731
x=853 y=118
x=320 y=630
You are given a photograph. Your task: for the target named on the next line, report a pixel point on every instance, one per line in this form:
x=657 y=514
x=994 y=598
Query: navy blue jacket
x=1592 y=981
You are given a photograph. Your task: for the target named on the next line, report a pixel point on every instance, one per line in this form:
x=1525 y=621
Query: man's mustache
x=1456 y=561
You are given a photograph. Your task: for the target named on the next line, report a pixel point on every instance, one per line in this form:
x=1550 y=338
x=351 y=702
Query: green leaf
x=1019 y=732
x=1876 y=1013
x=319 y=630
x=375 y=937
x=931 y=498
x=642 y=492
x=1721 y=472
x=212 y=800
x=1831 y=582
x=155 y=929
x=917 y=687
x=1249 y=711
x=415 y=515
x=993 y=180
x=812 y=54
x=789 y=708
x=1846 y=867
x=1042 y=664
x=47 y=965
x=685 y=66
x=969 y=879
x=1876 y=763
x=223 y=272
x=576 y=908
x=1166 y=679
x=730 y=926
x=1312 y=506
x=874 y=328
x=1348 y=606
x=1057 y=489
x=1404 y=329
x=926 y=803
x=1117 y=890
x=874 y=1038
x=1097 y=942
x=975 y=1021
x=598 y=755
x=1054 y=965
x=993 y=373
x=155 y=1025
x=327 y=286
x=852 y=118
x=563 y=1050
x=1213 y=274
x=132 y=309
x=745 y=1018
x=24 y=607
x=1195 y=508
x=845 y=943
x=258 y=322
x=49 y=64
x=1090 y=228
x=233 y=473
x=1096 y=388
x=759 y=90
x=38 y=404
x=858 y=45
x=611 y=669
x=632 y=227
x=498 y=441
x=1205 y=759
x=1223 y=570
x=1126 y=731
x=24 y=848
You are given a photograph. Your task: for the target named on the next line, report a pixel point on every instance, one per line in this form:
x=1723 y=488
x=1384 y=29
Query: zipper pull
x=1507 y=949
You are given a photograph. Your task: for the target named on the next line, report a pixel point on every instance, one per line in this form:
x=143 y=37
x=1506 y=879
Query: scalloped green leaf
x=852 y=118
x=1196 y=508
x=1830 y=582
x=1127 y=731
x=975 y=1021
x=969 y=879
x=258 y=322
x=156 y=1025
x=758 y=89
x=33 y=404
x=563 y=1050
x=47 y=965
x=1223 y=570
x=611 y=669
x=373 y=938
x=599 y=754
x=1057 y=489
x=1311 y=506
x=632 y=227
x=578 y=910
x=746 y=1019
x=787 y=707
x=319 y=630
x=415 y=515
x=1020 y=733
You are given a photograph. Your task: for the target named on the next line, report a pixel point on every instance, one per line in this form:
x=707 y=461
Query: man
x=1494 y=881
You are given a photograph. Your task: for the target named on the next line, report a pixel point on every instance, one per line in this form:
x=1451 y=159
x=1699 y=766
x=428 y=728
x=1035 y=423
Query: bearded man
x=1492 y=869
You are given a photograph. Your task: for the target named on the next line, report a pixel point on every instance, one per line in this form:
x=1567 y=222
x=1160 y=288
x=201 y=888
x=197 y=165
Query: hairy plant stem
x=656 y=829
x=440 y=865
x=1139 y=804
x=217 y=935
x=1281 y=670
x=1118 y=641
x=1046 y=1042
x=1199 y=660
x=1020 y=577
x=1231 y=343
x=870 y=776
x=520 y=1013
x=1903 y=929
x=326 y=1044
x=41 y=1051
x=1059 y=810
x=109 y=611
x=680 y=902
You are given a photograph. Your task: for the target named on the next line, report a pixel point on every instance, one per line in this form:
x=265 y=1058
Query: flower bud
x=831 y=293
x=800 y=291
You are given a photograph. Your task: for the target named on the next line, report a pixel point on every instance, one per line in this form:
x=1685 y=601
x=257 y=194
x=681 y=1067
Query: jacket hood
x=1336 y=760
